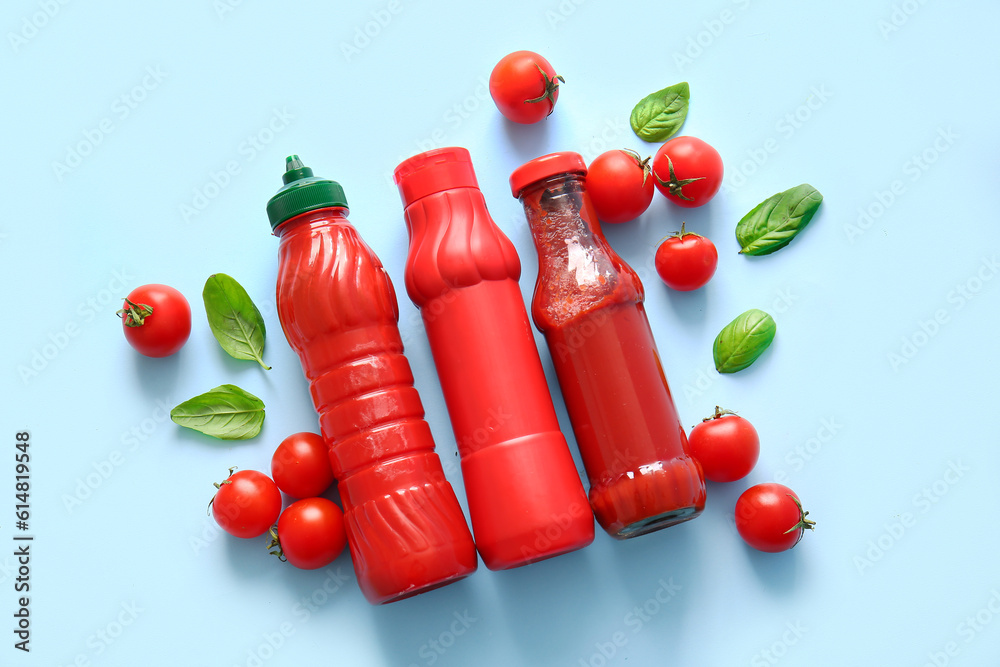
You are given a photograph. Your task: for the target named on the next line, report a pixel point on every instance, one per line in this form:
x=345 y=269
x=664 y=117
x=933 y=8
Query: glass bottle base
x=658 y=522
x=650 y=498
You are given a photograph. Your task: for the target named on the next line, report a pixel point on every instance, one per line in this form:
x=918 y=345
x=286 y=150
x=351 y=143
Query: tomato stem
x=684 y=232
x=134 y=314
x=675 y=186
x=678 y=235
x=551 y=86
x=803 y=522
x=643 y=164
x=274 y=546
x=218 y=485
x=719 y=412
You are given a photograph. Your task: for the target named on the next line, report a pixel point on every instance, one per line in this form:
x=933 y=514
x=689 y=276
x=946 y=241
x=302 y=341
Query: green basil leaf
x=774 y=222
x=226 y=412
x=234 y=319
x=658 y=116
x=743 y=340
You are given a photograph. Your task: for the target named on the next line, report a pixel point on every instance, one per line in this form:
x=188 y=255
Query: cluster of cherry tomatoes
x=310 y=532
x=686 y=170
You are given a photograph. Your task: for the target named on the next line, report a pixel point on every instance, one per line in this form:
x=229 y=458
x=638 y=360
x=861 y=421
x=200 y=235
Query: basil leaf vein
x=226 y=412
x=774 y=222
x=743 y=340
x=660 y=115
x=234 y=319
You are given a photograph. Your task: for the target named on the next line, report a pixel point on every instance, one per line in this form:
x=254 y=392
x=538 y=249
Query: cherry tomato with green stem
x=726 y=445
x=310 y=534
x=525 y=87
x=770 y=518
x=156 y=320
x=301 y=466
x=620 y=185
x=686 y=261
x=687 y=171
x=246 y=504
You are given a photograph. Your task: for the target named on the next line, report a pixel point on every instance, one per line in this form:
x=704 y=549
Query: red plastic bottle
x=526 y=500
x=337 y=307
x=589 y=304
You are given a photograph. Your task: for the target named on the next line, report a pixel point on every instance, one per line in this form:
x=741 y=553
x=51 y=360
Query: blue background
x=875 y=402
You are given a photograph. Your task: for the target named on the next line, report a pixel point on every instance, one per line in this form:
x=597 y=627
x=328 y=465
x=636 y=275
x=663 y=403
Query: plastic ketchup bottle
x=589 y=305
x=406 y=531
x=526 y=500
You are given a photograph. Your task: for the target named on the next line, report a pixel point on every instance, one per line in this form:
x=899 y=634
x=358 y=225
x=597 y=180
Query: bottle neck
x=329 y=215
x=561 y=223
x=578 y=271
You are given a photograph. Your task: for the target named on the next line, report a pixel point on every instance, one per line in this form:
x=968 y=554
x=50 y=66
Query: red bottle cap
x=542 y=167
x=434 y=171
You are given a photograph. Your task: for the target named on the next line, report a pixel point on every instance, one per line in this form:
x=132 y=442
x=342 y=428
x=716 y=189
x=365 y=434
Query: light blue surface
x=886 y=107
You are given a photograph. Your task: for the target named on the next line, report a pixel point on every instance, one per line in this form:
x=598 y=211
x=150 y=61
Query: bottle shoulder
x=330 y=280
x=582 y=276
x=455 y=243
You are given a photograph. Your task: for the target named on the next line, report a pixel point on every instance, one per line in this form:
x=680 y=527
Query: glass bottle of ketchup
x=526 y=500
x=405 y=528
x=589 y=305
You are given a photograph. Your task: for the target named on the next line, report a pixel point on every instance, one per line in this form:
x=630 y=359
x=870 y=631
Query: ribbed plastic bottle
x=589 y=304
x=406 y=530
x=526 y=500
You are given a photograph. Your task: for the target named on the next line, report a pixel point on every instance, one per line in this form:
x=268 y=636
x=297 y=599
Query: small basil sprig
x=234 y=319
x=226 y=412
x=743 y=340
x=659 y=115
x=774 y=222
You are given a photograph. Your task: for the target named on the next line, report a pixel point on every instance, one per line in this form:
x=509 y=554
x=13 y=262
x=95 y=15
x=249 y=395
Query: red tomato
x=247 y=504
x=524 y=87
x=310 y=533
x=619 y=185
x=686 y=261
x=156 y=319
x=300 y=465
x=726 y=445
x=769 y=517
x=687 y=171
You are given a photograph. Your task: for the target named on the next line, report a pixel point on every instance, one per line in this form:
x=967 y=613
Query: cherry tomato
x=769 y=517
x=726 y=445
x=247 y=504
x=687 y=171
x=686 y=261
x=524 y=87
x=156 y=319
x=620 y=185
x=310 y=533
x=300 y=465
